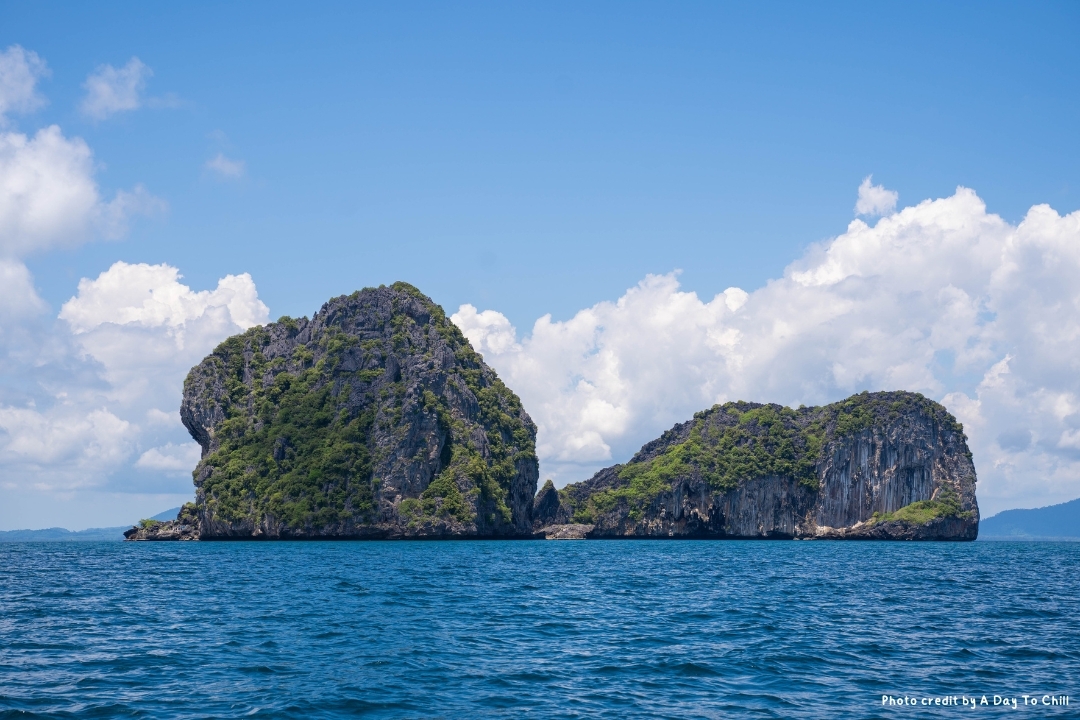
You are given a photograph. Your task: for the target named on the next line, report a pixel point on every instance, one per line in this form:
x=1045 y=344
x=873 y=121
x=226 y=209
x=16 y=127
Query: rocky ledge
x=877 y=466
x=184 y=527
x=568 y=531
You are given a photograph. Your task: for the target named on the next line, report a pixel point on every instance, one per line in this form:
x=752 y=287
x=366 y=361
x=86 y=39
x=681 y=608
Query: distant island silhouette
x=1053 y=522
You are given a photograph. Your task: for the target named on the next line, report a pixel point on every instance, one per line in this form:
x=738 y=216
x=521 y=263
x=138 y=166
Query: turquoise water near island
x=710 y=629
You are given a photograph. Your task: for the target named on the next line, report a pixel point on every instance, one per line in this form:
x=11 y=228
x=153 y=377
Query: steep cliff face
x=875 y=466
x=373 y=419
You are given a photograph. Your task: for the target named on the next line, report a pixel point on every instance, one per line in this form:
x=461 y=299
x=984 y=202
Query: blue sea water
x=710 y=629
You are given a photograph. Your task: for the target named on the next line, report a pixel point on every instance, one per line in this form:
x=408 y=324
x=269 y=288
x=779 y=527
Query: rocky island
x=373 y=419
x=877 y=466
x=376 y=419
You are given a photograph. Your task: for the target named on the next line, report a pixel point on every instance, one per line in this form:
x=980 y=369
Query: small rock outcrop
x=373 y=419
x=877 y=466
x=567 y=531
x=547 y=509
x=184 y=527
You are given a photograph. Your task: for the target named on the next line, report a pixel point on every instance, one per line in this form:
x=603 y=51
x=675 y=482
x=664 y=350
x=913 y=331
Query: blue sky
x=523 y=160
x=540 y=158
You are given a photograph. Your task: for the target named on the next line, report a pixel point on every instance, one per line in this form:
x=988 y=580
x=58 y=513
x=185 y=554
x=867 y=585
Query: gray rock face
x=167 y=530
x=569 y=531
x=374 y=419
x=547 y=509
x=877 y=466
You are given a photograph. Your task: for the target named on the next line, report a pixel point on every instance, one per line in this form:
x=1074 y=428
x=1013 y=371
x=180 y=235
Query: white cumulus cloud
x=143 y=325
x=111 y=90
x=49 y=198
x=875 y=199
x=943 y=298
x=20 y=70
x=100 y=390
x=41 y=445
x=171 y=458
x=152 y=296
x=18 y=298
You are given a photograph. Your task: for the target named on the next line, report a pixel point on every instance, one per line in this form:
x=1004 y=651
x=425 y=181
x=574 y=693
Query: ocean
x=488 y=629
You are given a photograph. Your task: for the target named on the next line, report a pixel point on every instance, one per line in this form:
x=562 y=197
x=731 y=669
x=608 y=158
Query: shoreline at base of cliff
x=897 y=530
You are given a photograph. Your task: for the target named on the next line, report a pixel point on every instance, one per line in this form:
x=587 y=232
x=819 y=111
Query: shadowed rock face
x=547 y=510
x=876 y=466
x=374 y=419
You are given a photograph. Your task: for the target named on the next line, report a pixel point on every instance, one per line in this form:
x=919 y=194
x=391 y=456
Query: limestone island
x=376 y=419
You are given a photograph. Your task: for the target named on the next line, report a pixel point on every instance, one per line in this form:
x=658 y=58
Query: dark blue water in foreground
x=535 y=629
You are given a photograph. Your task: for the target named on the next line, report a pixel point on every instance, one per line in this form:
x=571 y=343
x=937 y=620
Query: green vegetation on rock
x=307 y=420
x=300 y=459
x=189 y=514
x=923 y=511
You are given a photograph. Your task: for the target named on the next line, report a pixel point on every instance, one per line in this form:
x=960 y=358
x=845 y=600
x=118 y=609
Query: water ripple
x=530 y=629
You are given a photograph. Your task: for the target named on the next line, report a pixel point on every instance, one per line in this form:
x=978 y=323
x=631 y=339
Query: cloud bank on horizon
x=943 y=298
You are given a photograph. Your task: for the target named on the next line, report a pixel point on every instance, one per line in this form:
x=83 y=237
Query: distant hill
x=1056 y=521
x=90 y=535
x=62 y=535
